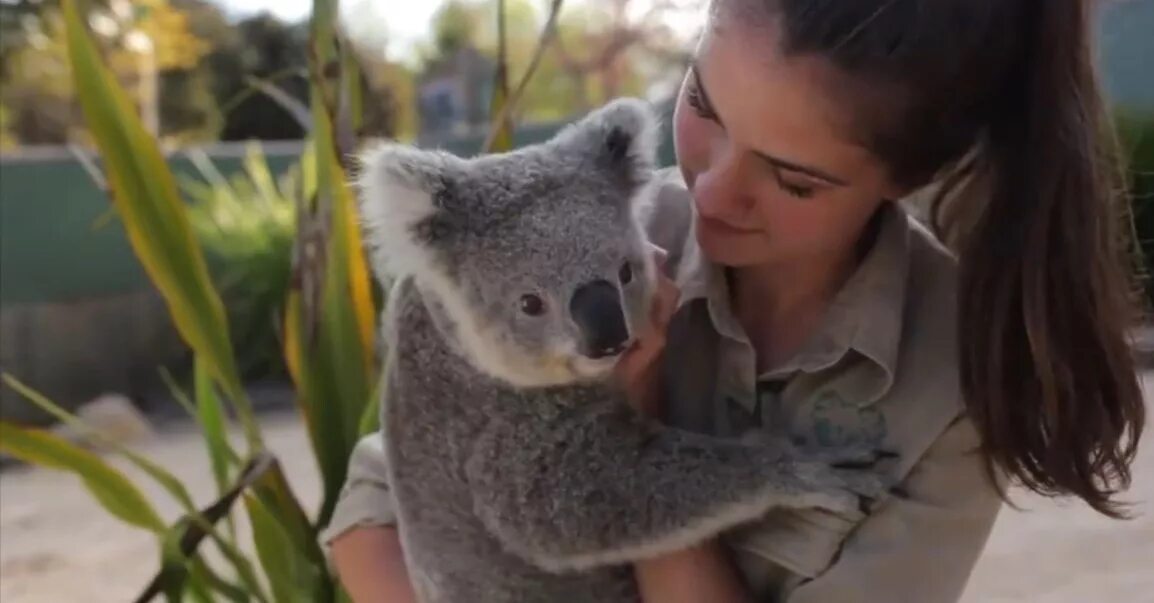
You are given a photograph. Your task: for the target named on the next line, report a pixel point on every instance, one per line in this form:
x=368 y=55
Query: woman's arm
x=364 y=547
x=371 y=567
x=700 y=573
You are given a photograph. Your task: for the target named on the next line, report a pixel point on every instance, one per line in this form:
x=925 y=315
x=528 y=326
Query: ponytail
x=1045 y=296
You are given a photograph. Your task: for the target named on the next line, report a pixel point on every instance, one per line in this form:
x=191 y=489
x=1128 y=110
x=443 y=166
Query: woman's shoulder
x=931 y=291
x=926 y=389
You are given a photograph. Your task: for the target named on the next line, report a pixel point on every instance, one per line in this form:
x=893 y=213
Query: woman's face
x=765 y=152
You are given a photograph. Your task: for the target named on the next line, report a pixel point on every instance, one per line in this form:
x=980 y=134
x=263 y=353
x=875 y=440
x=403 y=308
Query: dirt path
x=57 y=546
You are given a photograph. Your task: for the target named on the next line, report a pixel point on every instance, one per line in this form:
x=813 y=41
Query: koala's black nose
x=596 y=308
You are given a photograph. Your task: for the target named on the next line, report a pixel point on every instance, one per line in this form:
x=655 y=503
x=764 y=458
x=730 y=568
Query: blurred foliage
x=138 y=41
x=247 y=224
x=7 y=138
x=204 y=68
x=173 y=44
x=603 y=49
x=1136 y=137
x=209 y=69
x=267 y=49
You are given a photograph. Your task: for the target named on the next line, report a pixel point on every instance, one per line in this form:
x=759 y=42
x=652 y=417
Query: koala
x=519 y=472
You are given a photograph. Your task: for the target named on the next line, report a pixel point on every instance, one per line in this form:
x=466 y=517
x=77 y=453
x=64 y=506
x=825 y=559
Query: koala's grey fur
x=518 y=474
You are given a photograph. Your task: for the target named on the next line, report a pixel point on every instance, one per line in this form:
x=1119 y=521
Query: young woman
x=812 y=303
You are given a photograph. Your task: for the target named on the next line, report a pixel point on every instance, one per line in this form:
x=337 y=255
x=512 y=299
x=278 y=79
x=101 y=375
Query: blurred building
x=453 y=94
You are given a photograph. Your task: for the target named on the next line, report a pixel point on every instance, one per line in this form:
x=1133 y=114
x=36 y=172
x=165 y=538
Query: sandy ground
x=58 y=546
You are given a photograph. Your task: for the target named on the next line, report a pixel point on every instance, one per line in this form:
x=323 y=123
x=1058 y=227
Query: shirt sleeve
x=920 y=546
x=365 y=498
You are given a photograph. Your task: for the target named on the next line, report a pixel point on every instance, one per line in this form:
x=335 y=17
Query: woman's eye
x=801 y=192
x=532 y=305
x=625 y=275
x=693 y=98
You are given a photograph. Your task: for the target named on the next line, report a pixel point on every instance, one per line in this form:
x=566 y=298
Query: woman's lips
x=723 y=228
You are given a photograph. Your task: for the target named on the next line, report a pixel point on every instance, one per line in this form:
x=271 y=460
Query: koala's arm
x=603 y=487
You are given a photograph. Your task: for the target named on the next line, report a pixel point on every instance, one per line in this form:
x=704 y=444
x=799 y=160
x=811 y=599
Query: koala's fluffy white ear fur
x=396 y=185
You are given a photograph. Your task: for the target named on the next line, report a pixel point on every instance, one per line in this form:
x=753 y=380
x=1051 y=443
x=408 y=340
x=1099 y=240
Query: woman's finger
x=665 y=302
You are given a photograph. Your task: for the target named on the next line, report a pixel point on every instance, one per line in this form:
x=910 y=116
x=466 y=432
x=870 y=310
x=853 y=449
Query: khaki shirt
x=880 y=370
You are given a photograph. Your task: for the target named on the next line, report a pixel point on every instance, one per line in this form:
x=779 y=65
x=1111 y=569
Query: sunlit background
x=191 y=62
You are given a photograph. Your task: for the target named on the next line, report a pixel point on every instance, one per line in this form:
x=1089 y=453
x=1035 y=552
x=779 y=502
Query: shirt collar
x=864 y=321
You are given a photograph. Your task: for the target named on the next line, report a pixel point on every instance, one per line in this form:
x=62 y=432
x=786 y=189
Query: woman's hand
x=637 y=371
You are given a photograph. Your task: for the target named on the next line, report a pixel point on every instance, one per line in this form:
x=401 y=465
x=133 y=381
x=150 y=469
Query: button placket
x=770 y=408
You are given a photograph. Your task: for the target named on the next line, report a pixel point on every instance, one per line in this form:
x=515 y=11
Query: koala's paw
x=842 y=491
x=849 y=478
x=847 y=457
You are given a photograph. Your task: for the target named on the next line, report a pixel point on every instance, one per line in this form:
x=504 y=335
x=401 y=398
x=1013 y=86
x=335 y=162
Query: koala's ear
x=398 y=190
x=627 y=132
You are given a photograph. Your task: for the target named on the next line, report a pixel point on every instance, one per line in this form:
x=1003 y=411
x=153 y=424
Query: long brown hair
x=997 y=101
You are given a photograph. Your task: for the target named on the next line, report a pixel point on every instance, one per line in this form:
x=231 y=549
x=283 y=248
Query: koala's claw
x=850 y=457
x=858 y=474
x=866 y=484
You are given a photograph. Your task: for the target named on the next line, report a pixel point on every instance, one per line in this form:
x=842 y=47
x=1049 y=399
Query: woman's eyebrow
x=771 y=159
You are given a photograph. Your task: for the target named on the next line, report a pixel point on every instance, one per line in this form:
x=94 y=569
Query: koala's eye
x=532 y=305
x=625 y=275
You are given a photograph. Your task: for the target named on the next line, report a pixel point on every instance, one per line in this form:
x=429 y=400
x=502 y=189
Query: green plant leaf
x=334 y=370
x=329 y=314
x=172 y=564
x=290 y=104
x=500 y=137
x=276 y=493
x=173 y=577
x=503 y=102
x=353 y=107
x=259 y=174
x=210 y=413
x=294 y=535
x=111 y=488
x=191 y=530
x=154 y=217
x=202 y=419
x=162 y=476
x=198 y=589
x=203 y=574
x=178 y=394
x=371 y=417
x=290 y=575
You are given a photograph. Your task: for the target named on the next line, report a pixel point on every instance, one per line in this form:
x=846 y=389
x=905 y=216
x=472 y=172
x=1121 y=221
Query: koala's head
x=535 y=255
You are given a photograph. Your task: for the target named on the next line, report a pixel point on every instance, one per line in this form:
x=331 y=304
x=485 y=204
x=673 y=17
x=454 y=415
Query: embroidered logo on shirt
x=833 y=421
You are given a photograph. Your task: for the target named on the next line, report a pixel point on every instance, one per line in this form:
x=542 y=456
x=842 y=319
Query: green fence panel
x=59 y=237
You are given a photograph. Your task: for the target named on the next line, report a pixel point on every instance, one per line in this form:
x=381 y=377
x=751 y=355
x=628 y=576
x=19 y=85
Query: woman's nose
x=718 y=191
